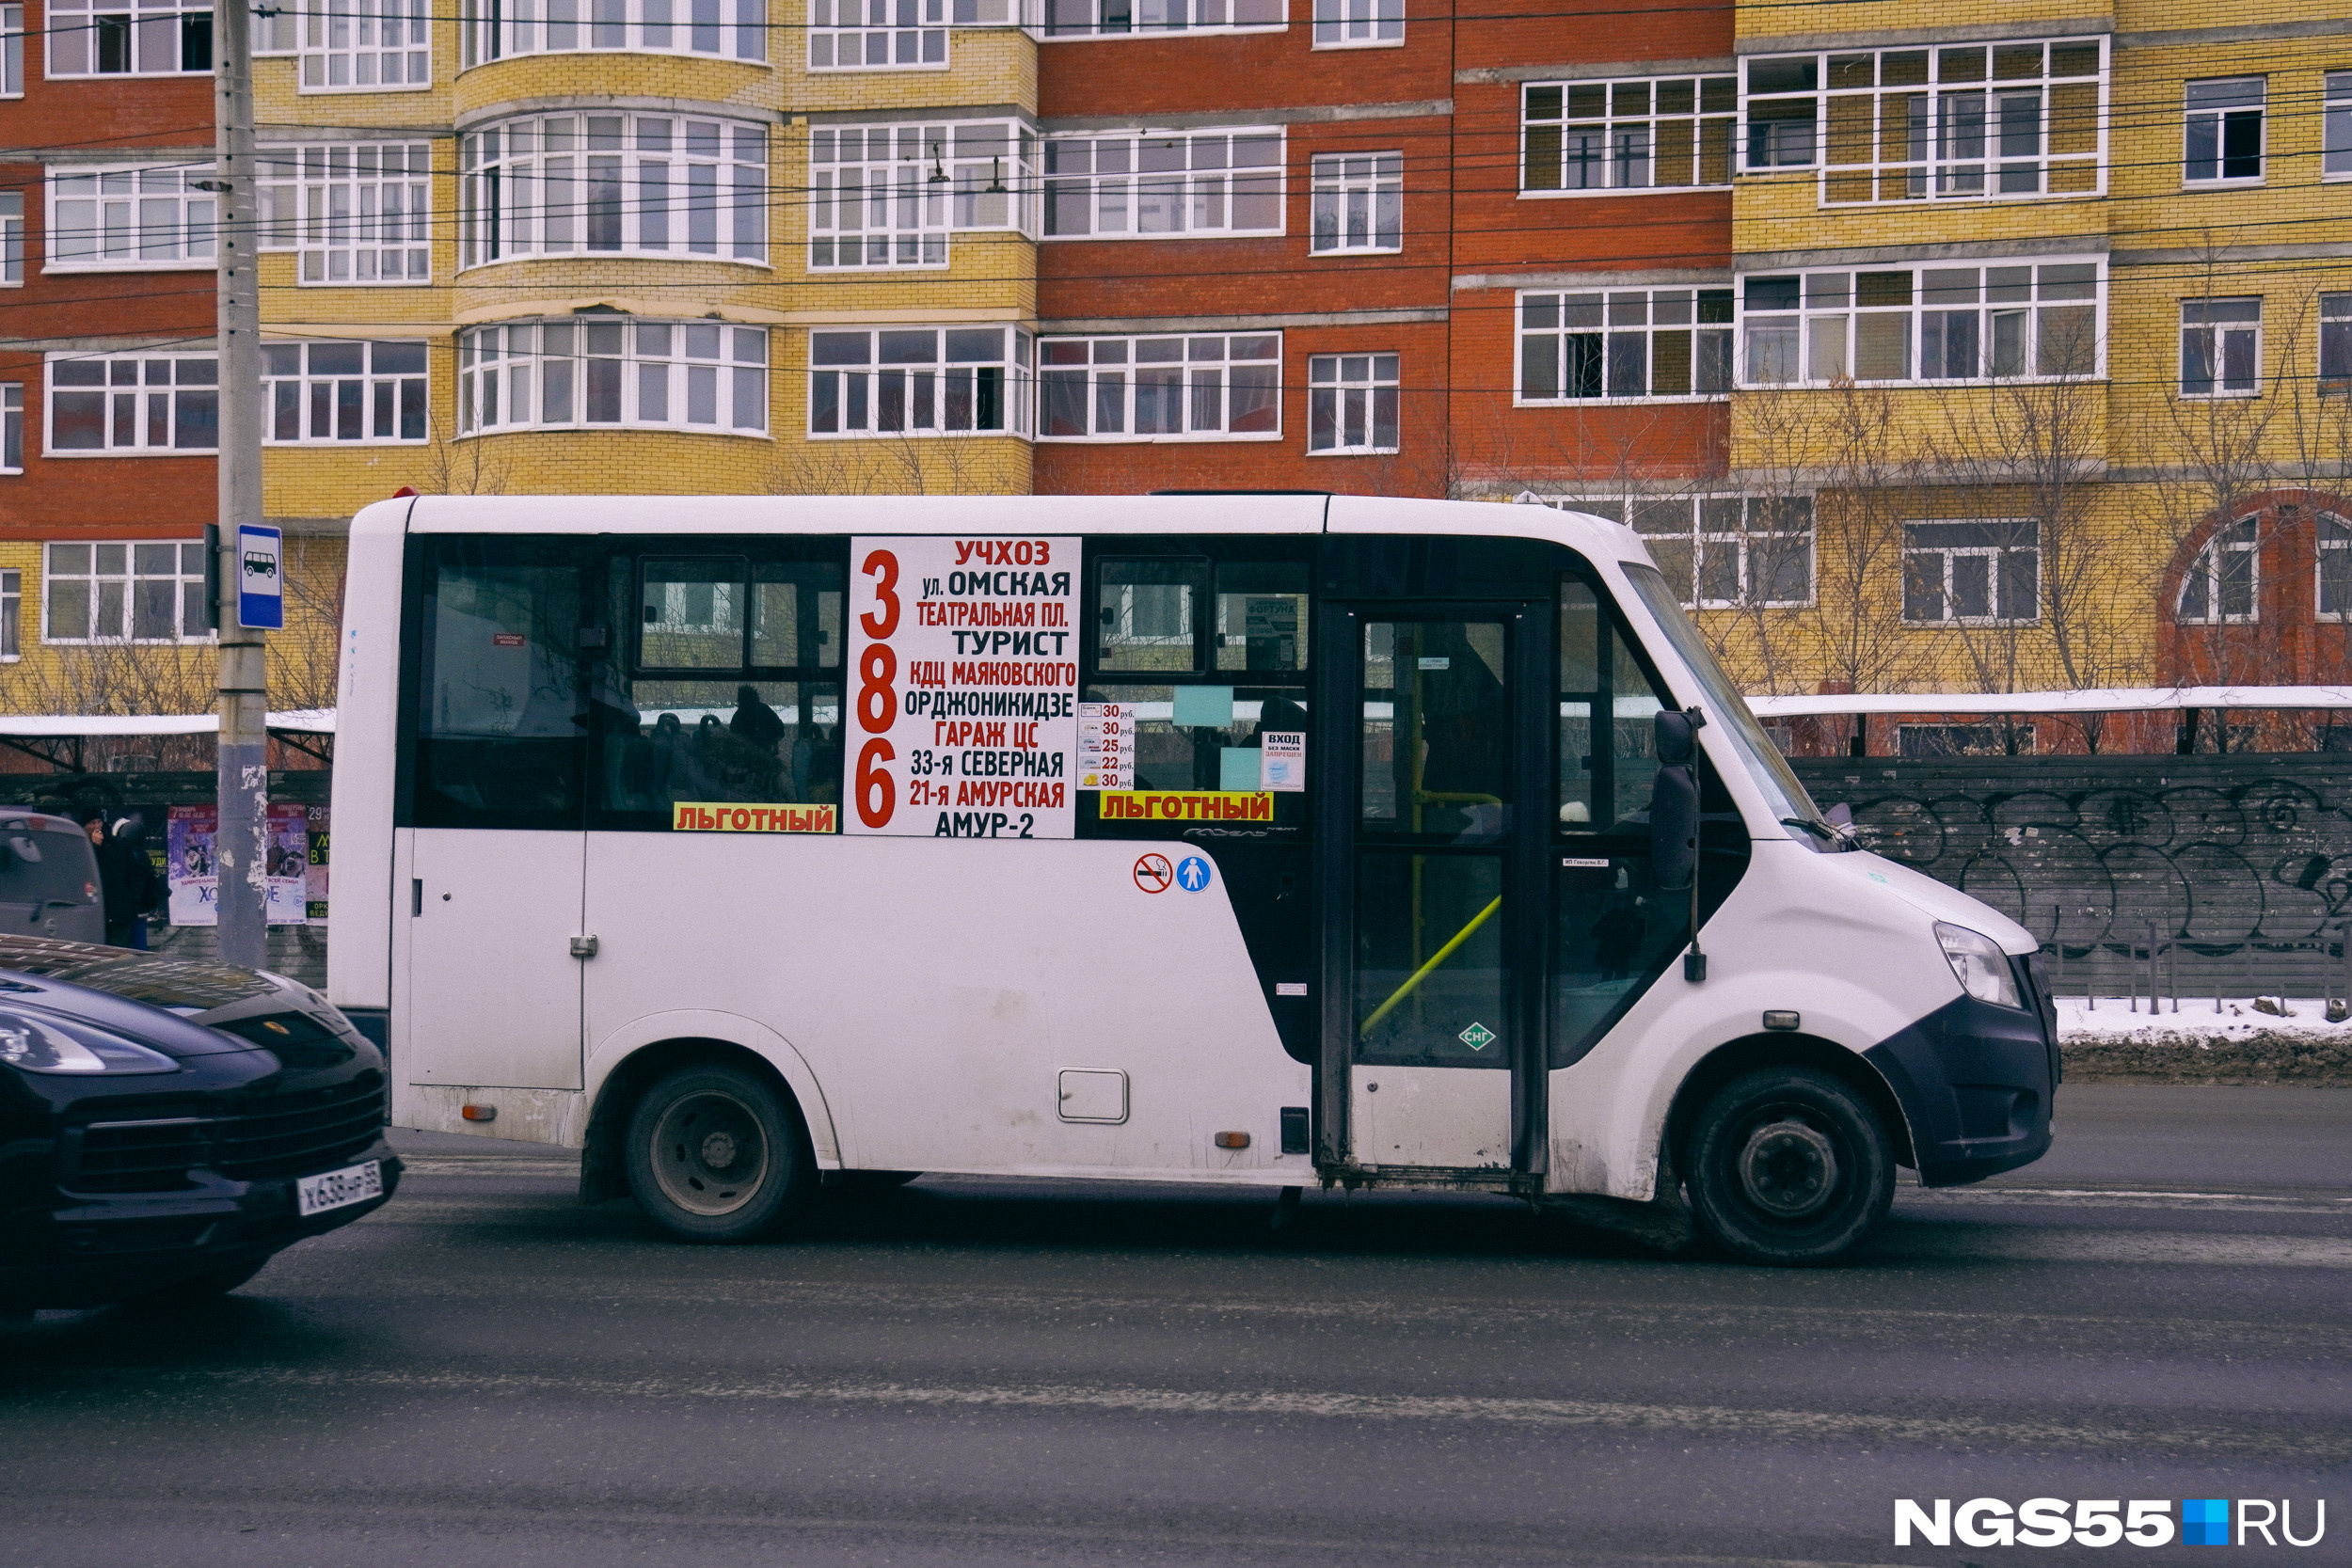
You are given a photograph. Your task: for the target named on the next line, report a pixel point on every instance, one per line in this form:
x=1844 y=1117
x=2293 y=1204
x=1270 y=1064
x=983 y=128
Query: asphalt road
x=986 y=1371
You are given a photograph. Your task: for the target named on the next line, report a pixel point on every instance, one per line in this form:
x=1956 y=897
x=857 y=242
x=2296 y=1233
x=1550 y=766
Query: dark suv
x=166 y=1127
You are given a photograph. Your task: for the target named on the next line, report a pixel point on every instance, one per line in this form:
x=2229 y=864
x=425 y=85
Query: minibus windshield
x=1725 y=707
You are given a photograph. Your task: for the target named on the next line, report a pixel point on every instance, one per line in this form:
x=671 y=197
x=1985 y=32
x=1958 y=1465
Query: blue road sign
x=260 y=579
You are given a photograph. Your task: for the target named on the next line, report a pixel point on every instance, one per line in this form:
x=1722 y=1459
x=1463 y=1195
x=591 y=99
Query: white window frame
x=1210 y=183
x=2335 y=344
x=11 y=616
x=125 y=202
x=2023 y=312
x=1060 y=21
x=186 y=578
x=11 y=51
x=2217 y=335
x=1693 y=530
x=1613 y=318
x=278 y=33
x=557 y=359
x=1628 y=114
x=304 y=389
x=149 y=29
x=1355 y=203
x=357 y=214
x=887 y=197
x=11 y=240
x=2335 y=156
x=1978 y=130
x=2004 y=538
x=365 y=46
x=142 y=378
x=11 y=427
x=1111 y=366
x=2244 y=539
x=2212 y=119
x=1349 y=397
x=884 y=35
x=497 y=29
x=530 y=187
x=2334 y=542
x=1358 y=23
x=903 y=389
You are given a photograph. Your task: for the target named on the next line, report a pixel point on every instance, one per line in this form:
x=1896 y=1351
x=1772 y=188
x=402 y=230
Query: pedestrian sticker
x=1151 y=873
x=1193 y=874
x=1477 y=1037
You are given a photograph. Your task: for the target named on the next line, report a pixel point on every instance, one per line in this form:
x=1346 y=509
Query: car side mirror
x=1673 y=803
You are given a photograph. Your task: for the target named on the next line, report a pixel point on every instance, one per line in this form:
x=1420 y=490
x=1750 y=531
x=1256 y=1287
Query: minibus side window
x=1607 y=708
x=501 y=715
x=1144 y=615
x=1261 y=617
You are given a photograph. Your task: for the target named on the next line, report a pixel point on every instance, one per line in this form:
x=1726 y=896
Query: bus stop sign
x=260 y=579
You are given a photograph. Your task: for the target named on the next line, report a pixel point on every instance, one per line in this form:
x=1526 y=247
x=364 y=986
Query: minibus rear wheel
x=1789 y=1166
x=717 y=1154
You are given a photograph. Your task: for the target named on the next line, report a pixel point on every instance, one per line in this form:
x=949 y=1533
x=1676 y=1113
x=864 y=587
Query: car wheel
x=1790 y=1167
x=717 y=1154
x=200 y=1288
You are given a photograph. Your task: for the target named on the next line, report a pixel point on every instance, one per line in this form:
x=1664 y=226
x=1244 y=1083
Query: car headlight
x=1981 y=966
x=37 y=1045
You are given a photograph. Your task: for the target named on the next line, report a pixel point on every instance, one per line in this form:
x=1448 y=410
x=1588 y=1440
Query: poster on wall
x=191 y=865
x=289 y=862
x=314 y=879
x=963 y=674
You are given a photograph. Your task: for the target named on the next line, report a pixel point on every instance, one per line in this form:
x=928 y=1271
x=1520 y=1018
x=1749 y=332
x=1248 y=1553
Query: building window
x=1351 y=402
x=634 y=184
x=11 y=614
x=1940 y=323
x=1965 y=122
x=1359 y=202
x=12 y=428
x=106 y=38
x=1625 y=343
x=1358 y=23
x=130 y=218
x=2221 y=347
x=13 y=237
x=1723 y=551
x=2335 y=344
x=2221 y=583
x=364 y=45
x=2335 y=158
x=919 y=381
x=356 y=213
x=2223 y=137
x=1066 y=18
x=131 y=592
x=11 y=52
x=613 y=370
x=2335 y=567
x=1161 y=388
x=887 y=196
x=124 y=404
x=1163 y=184
x=1973 y=573
x=324 y=394
x=497 y=29
x=1628 y=135
x=877 y=35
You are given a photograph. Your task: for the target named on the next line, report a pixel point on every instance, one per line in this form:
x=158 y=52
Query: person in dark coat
x=126 y=878
x=755 y=724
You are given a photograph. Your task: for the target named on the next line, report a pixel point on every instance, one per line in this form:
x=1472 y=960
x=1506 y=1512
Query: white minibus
x=751 y=844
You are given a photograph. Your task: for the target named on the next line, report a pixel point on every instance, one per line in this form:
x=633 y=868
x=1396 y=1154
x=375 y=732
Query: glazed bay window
x=1352 y=403
x=13 y=51
x=133 y=591
x=1359 y=202
x=1961 y=123
x=2221 y=347
x=11 y=615
x=1164 y=183
x=11 y=237
x=1640 y=135
x=1723 y=551
x=129 y=218
x=2335 y=344
x=12 y=428
x=2335 y=156
x=2335 y=567
x=1625 y=343
x=604 y=371
x=919 y=381
x=129 y=37
x=736 y=29
x=1979 y=573
x=888 y=196
x=2221 y=135
x=354 y=211
x=365 y=45
x=1358 y=23
x=2220 y=584
x=614 y=184
x=1929 y=323
x=123 y=404
x=322 y=393
x=877 y=35
x=1067 y=19
x=1208 y=389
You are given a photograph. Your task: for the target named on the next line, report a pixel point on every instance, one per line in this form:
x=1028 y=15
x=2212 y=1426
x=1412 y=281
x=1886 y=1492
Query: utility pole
x=242 y=847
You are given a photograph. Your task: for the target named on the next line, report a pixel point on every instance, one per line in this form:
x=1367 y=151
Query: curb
x=2171 y=1057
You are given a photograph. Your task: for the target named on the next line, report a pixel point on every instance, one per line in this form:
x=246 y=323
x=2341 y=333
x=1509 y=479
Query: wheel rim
x=1789 y=1169
x=709 y=1153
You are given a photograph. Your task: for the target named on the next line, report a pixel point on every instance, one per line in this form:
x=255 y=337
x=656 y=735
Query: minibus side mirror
x=1674 y=804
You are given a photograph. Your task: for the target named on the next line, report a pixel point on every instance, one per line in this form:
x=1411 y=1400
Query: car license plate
x=315 y=1194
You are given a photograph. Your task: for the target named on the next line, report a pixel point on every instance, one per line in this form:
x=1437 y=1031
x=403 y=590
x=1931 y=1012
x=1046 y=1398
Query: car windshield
x=1725 y=708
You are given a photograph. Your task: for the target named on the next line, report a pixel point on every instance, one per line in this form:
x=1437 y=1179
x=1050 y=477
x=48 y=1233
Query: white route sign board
x=963 y=687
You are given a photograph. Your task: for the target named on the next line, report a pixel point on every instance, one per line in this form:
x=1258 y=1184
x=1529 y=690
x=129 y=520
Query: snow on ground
x=2114 y=1019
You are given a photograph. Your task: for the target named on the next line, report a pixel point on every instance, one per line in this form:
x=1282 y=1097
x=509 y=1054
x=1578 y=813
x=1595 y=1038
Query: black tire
x=719 y=1154
x=199 y=1289
x=1790 y=1166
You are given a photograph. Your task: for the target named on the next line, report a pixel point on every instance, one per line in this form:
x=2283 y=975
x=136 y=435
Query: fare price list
x=1106 y=745
x=964 y=657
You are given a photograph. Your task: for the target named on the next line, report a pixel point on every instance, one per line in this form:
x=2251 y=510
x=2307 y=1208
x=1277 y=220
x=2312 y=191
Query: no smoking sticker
x=1153 y=873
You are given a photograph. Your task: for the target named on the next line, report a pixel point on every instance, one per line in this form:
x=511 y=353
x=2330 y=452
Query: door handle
x=583 y=947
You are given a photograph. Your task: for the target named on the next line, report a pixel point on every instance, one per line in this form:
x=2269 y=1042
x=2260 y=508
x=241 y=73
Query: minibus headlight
x=37 y=1045
x=1981 y=966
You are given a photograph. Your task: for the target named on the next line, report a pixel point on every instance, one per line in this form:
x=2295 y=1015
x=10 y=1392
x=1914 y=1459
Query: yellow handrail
x=1422 y=972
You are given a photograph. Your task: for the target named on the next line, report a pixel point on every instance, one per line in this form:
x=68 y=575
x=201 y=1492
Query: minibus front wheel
x=1789 y=1166
x=718 y=1154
